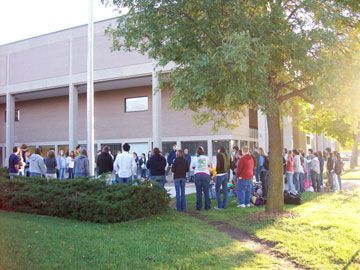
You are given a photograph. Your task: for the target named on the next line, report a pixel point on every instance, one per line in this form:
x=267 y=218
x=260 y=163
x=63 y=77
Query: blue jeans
x=243 y=191
x=148 y=173
x=79 y=174
x=301 y=180
x=125 y=180
x=71 y=173
x=188 y=176
x=180 y=194
x=221 y=181
x=289 y=178
x=331 y=175
x=339 y=180
x=62 y=173
x=296 y=179
x=202 y=183
x=159 y=179
x=315 y=180
x=143 y=173
x=34 y=174
x=257 y=174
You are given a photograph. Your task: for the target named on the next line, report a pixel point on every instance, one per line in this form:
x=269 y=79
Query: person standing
x=315 y=172
x=338 y=167
x=51 y=165
x=148 y=173
x=171 y=158
x=81 y=165
x=201 y=164
x=180 y=167
x=14 y=163
x=156 y=164
x=137 y=165
x=125 y=165
x=61 y=164
x=27 y=163
x=105 y=163
x=263 y=171
x=70 y=164
x=308 y=162
x=290 y=170
x=142 y=165
x=187 y=157
x=330 y=169
x=257 y=167
x=298 y=171
x=223 y=162
x=244 y=175
x=37 y=165
x=22 y=163
x=322 y=162
x=77 y=150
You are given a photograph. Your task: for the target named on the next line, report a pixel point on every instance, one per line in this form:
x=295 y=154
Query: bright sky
x=21 y=19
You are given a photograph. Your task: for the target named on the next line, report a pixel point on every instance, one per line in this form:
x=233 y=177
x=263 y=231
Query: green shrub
x=4 y=172
x=82 y=199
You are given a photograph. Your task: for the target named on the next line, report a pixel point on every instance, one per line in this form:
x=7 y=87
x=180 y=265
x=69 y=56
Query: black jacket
x=156 y=164
x=104 y=163
x=180 y=167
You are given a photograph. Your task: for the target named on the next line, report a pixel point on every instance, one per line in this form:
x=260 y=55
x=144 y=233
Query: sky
x=21 y=19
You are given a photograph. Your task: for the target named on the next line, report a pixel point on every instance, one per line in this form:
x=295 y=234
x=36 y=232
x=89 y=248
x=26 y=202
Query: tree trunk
x=275 y=196
x=354 y=154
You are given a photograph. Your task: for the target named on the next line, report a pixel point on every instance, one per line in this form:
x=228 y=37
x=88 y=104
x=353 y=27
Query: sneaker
x=241 y=205
x=249 y=205
x=217 y=208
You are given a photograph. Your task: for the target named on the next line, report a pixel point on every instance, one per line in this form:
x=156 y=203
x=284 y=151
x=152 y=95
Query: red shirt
x=245 y=168
x=289 y=164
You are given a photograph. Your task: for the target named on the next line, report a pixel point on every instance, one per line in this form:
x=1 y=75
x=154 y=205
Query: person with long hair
x=51 y=165
x=81 y=165
x=337 y=168
x=298 y=171
x=290 y=170
x=70 y=164
x=322 y=162
x=61 y=164
x=156 y=164
x=142 y=165
x=22 y=163
x=201 y=165
x=180 y=167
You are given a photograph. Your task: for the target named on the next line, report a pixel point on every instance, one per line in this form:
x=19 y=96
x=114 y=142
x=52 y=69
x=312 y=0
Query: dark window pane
x=167 y=147
x=114 y=147
x=217 y=144
x=193 y=146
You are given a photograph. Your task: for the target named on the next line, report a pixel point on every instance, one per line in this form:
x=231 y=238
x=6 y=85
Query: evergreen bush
x=82 y=199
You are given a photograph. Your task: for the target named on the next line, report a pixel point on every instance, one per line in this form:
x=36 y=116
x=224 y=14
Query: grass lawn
x=323 y=232
x=168 y=241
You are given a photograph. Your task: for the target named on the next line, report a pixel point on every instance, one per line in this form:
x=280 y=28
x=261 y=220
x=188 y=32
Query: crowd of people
x=241 y=167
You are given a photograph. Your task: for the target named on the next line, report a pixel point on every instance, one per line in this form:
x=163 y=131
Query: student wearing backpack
x=264 y=168
x=223 y=163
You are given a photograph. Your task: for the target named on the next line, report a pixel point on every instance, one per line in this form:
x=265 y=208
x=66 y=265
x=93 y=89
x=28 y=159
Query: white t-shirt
x=201 y=164
x=70 y=162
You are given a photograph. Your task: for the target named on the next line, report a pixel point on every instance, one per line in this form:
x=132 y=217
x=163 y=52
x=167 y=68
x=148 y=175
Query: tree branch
x=295 y=93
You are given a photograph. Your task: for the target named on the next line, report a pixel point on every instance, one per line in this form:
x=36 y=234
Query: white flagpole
x=90 y=90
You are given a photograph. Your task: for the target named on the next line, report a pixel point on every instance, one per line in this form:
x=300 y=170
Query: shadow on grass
x=352 y=260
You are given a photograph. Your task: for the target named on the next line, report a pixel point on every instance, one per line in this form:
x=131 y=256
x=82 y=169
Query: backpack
x=266 y=163
x=291 y=198
x=337 y=167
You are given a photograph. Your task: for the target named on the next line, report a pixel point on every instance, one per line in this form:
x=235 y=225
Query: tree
x=230 y=54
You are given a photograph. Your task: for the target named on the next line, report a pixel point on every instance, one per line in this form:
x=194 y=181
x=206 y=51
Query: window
x=217 y=144
x=193 y=146
x=114 y=147
x=243 y=143
x=167 y=147
x=252 y=146
x=17 y=115
x=308 y=140
x=46 y=148
x=136 y=104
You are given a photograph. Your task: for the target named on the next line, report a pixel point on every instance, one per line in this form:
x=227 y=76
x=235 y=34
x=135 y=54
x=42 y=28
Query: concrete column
x=178 y=144
x=263 y=133
x=73 y=116
x=156 y=112
x=210 y=150
x=10 y=123
x=288 y=133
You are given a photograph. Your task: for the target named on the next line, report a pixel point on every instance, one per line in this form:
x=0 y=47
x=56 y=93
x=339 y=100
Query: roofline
x=66 y=29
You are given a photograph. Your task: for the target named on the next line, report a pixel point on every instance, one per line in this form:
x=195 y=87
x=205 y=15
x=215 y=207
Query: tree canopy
x=231 y=53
